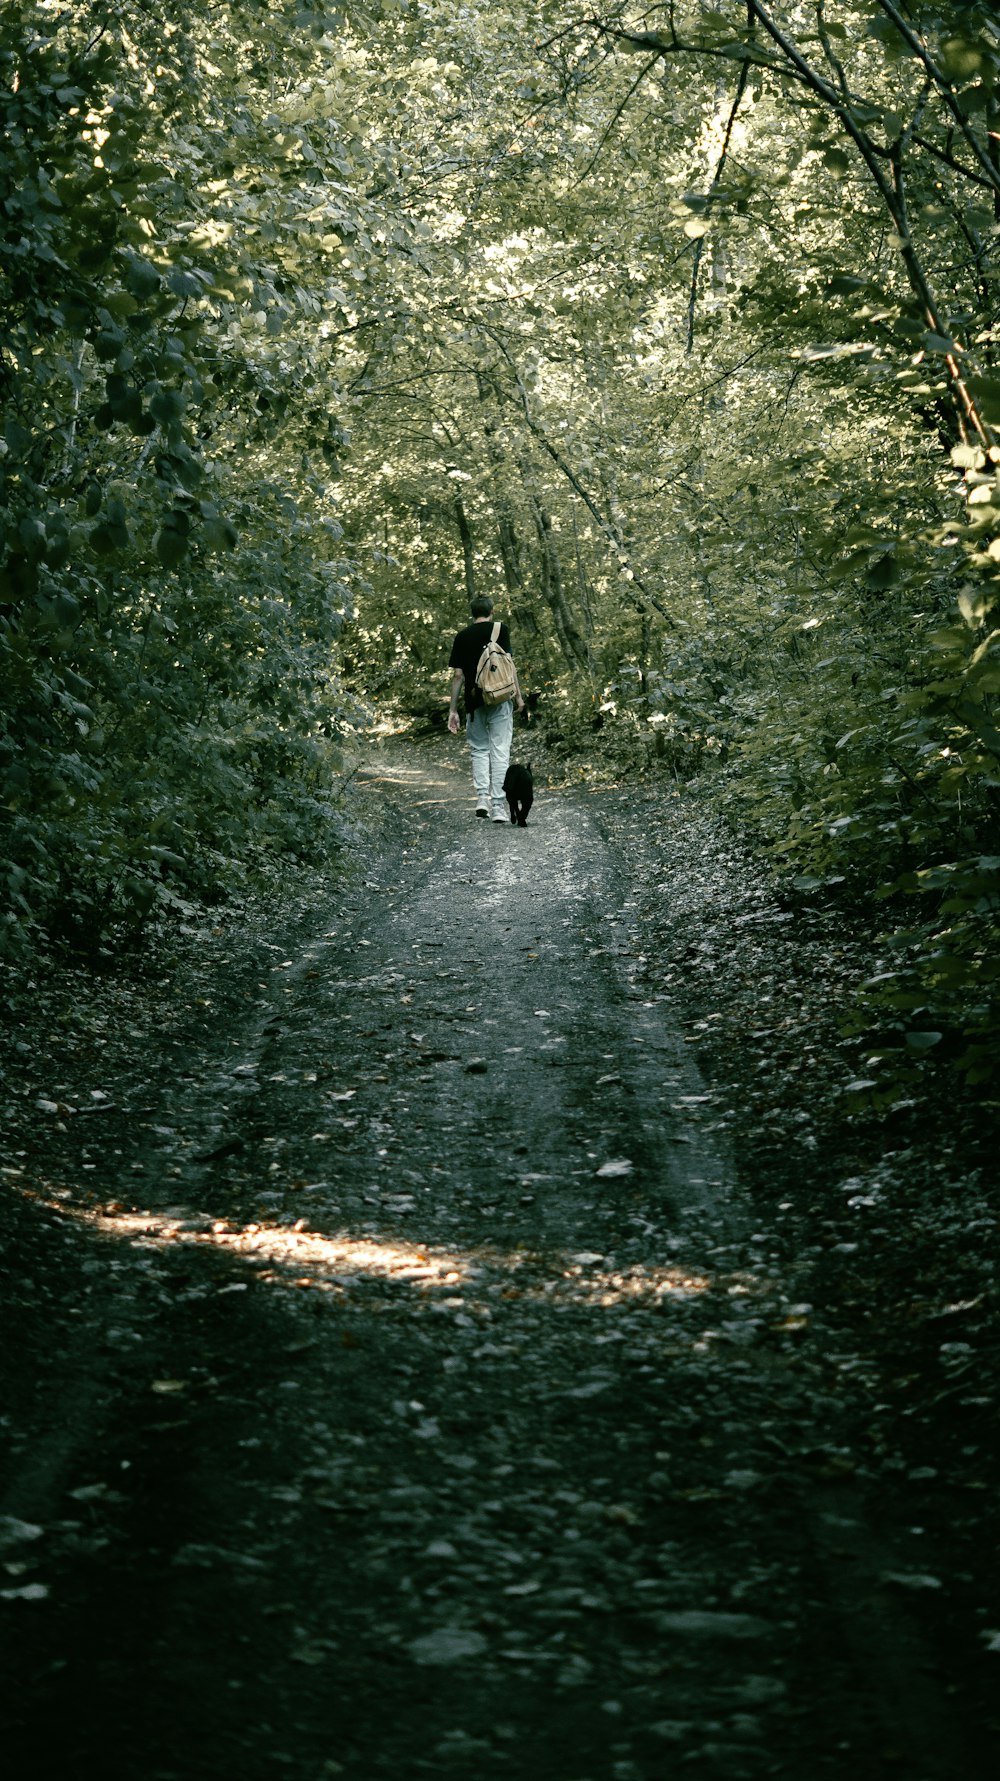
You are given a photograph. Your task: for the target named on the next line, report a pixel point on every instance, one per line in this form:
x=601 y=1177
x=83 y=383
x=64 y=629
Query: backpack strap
x=496 y=632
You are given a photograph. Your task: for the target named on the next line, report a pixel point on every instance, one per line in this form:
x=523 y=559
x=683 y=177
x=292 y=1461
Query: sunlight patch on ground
x=337 y=1262
x=339 y=1259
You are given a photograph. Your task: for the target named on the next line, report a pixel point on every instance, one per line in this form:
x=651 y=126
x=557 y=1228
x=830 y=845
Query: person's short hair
x=481 y=606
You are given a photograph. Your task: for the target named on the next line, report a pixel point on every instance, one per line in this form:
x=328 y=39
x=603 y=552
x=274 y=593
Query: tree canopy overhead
x=674 y=324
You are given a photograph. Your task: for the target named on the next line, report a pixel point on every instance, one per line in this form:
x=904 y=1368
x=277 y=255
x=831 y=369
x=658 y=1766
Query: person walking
x=489 y=729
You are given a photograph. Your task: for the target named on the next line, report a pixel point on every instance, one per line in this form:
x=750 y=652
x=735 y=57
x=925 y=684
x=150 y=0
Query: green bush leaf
x=142 y=278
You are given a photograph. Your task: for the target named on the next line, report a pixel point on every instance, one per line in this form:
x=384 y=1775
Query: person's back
x=468 y=648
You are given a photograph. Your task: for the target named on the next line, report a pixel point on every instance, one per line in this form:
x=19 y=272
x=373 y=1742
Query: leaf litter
x=608 y=1451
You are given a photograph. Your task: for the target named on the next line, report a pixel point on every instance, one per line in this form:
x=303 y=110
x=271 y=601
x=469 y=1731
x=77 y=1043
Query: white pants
x=490 y=731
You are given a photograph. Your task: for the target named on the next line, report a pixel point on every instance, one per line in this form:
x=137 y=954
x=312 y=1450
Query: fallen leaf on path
x=617 y=1165
x=447 y=1645
x=711 y=1624
x=622 y=1513
x=14 y=1532
x=592 y=1388
x=198 y=1557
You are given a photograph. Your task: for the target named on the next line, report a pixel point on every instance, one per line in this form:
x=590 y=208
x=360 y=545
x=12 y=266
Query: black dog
x=519 y=790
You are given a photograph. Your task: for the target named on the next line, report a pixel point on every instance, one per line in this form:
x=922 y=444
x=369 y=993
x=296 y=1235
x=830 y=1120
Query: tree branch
x=713 y=188
x=945 y=88
x=591 y=164
x=956 y=166
x=607 y=526
x=890 y=190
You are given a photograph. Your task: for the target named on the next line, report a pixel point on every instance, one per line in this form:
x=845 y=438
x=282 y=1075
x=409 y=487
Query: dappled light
x=336 y=1263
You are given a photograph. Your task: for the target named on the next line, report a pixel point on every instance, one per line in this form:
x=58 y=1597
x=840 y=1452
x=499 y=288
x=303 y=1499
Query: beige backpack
x=495 y=677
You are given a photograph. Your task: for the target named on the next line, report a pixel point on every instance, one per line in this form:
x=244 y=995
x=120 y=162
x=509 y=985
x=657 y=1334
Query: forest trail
x=438 y=1407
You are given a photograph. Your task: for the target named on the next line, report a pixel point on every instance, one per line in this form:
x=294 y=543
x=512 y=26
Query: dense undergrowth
x=170 y=594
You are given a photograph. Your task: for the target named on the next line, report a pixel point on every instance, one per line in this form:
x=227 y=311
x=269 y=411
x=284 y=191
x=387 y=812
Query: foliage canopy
x=674 y=324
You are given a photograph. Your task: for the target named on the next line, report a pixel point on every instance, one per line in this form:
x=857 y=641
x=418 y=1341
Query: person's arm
x=456 y=687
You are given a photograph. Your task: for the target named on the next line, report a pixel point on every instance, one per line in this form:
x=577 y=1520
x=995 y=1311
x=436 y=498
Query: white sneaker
x=482 y=810
x=499 y=815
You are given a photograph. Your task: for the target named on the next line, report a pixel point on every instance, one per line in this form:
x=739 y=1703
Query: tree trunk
x=572 y=643
x=571 y=640
x=644 y=646
x=465 y=533
x=510 y=552
x=510 y=544
x=581 y=582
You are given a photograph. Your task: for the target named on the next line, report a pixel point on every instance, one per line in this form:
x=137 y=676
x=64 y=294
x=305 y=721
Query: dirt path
x=438 y=1406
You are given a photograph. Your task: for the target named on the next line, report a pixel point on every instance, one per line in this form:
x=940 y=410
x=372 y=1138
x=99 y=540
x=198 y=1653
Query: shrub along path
x=415 y=1365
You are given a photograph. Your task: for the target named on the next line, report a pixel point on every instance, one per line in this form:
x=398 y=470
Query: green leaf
x=167 y=407
x=106 y=539
x=142 y=278
x=32 y=534
x=120 y=303
x=962 y=57
x=976 y=603
x=967 y=457
x=171 y=540
x=221 y=534
x=884 y=573
x=184 y=284
x=987 y=393
x=108 y=342
x=950 y=637
x=170 y=546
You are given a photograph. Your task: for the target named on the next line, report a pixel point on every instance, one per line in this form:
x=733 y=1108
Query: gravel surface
x=416 y=1364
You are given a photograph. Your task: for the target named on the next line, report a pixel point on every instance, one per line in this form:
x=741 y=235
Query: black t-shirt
x=467 y=649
